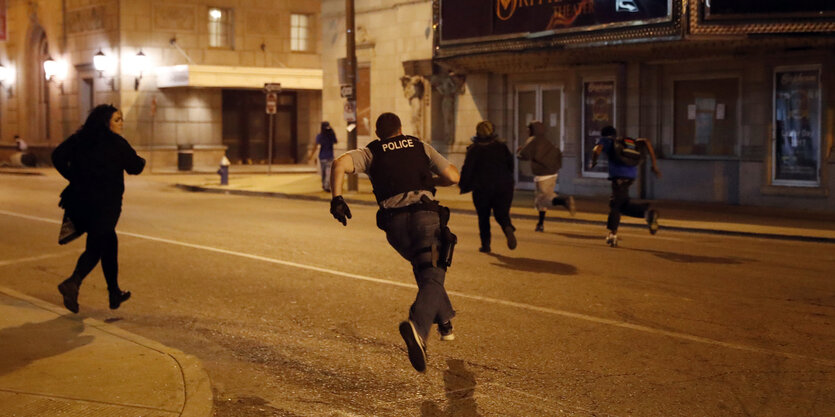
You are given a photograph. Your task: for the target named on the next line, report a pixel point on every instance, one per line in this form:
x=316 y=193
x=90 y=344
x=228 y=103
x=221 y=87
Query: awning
x=219 y=76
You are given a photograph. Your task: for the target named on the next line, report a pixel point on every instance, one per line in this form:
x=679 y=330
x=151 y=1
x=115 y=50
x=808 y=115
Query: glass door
x=537 y=102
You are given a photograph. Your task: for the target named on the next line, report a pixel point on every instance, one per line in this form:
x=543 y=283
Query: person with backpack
x=546 y=160
x=624 y=154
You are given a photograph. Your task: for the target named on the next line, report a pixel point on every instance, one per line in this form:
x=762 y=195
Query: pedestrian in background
x=94 y=160
x=325 y=140
x=488 y=173
x=546 y=160
x=622 y=174
x=404 y=172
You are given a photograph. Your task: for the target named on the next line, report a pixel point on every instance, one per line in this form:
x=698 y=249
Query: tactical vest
x=398 y=165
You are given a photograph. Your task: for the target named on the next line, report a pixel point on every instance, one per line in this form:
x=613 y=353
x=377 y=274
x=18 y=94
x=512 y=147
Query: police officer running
x=401 y=171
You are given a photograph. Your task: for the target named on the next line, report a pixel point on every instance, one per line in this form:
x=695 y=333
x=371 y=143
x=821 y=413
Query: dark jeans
x=325 y=171
x=619 y=203
x=102 y=244
x=497 y=200
x=408 y=233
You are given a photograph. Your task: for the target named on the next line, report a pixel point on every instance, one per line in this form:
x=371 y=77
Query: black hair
x=387 y=125
x=608 y=131
x=99 y=119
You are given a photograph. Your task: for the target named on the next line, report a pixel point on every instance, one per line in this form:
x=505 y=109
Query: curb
x=774 y=236
x=16 y=172
x=199 y=398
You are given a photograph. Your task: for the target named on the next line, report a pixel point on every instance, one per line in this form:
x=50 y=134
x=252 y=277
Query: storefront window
x=598 y=112
x=706 y=117
x=796 y=126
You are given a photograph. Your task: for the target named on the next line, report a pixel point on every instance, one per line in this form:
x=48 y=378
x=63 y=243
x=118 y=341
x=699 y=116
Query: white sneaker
x=612 y=240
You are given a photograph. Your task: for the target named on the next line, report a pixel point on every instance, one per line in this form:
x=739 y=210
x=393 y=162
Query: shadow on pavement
x=534 y=265
x=30 y=342
x=686 y=258
x=459 y=384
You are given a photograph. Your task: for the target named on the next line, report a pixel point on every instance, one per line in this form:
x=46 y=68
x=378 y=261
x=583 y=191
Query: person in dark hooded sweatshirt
x=488 y=173
x=94 y=160
x=546 y=160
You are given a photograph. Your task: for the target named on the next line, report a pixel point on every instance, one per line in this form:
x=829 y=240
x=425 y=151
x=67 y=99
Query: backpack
x=627 y=151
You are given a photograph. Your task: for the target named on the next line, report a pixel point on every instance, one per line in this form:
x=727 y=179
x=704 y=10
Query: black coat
x=488 y=165
x=95 y=166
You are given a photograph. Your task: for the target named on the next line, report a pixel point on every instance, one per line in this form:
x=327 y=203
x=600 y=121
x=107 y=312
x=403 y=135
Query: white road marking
x=40 y=257
x=523 y=306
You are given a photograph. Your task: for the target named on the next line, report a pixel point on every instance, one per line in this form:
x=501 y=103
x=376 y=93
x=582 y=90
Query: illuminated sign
x=506 y=18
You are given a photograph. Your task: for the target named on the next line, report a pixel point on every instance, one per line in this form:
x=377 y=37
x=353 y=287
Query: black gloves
x=340 y=210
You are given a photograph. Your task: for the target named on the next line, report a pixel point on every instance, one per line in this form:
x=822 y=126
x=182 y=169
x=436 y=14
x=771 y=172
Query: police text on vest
x=398 y=144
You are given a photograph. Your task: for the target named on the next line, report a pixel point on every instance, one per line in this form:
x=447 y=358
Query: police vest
x=398 y=165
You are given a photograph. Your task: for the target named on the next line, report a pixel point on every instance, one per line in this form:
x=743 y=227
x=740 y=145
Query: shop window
x=299 y=32
x=220 y=28
x=705 y=117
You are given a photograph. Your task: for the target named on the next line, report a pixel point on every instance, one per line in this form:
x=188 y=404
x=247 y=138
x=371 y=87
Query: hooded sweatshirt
x=546 y=159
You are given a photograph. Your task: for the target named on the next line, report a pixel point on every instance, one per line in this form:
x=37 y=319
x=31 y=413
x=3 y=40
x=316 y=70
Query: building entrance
x=246 y=127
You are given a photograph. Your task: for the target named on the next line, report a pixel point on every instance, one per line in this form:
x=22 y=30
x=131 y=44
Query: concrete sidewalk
x=715 y=218
x=55 y=363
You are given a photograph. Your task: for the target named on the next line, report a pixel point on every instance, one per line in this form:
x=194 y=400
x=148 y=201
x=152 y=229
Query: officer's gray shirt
x=437 y=163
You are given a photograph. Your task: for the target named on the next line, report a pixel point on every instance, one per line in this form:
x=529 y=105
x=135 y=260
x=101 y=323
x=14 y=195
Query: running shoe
x=445 y=329
x=414 y=345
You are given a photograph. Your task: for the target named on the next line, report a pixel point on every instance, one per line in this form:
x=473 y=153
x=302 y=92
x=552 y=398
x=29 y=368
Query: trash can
x=185 y=157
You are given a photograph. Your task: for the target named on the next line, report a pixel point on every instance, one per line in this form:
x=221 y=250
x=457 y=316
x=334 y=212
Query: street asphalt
x=735 y=319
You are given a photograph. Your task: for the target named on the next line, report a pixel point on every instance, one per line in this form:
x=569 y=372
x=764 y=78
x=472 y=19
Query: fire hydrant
x=224 y=171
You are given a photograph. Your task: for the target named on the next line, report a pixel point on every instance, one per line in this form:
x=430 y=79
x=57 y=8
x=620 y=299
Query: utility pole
x=352 y=78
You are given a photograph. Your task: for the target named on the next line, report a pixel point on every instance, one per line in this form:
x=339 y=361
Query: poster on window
x=797 y=126
x=598 y=112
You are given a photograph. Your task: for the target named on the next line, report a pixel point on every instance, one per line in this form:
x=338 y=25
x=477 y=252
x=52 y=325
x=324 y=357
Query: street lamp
x=55 y=71
x=140 y=65
x=7 y=76
x=105 y=64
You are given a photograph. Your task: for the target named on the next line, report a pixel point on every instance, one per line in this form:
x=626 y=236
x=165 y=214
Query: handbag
x=68 y=231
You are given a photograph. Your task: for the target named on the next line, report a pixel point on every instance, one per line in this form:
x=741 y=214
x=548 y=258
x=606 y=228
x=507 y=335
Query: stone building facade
x=738 y=98
x=202 y=87
x=395 y=72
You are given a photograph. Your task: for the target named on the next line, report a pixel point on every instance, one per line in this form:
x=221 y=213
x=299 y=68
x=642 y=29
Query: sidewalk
x=714 y=218
x=55 y=363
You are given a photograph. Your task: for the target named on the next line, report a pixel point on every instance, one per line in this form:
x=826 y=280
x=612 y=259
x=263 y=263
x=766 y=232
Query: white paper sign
x=720 y=111
x=691 y=112
x=528 y=118
x=553 y=120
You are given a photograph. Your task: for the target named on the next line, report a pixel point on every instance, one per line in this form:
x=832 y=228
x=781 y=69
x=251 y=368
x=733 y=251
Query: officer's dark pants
x=619 y=203
x=497 y=200
x=408 y=233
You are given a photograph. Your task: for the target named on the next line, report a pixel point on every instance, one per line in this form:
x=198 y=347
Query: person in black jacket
x=94 y=160
x=488 y=173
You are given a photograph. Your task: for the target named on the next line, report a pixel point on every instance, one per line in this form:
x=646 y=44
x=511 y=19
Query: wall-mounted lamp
x=7 y=77
x=55 y=71
x=140 y=65
x=106 y=66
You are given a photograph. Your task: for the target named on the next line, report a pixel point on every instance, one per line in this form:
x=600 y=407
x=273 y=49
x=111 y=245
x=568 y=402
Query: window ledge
x=794 y=191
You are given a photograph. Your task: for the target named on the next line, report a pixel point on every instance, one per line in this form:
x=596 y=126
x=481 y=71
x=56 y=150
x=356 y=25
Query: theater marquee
x=499 y=19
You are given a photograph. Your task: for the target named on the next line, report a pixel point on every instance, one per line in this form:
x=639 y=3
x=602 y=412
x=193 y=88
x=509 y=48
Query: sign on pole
x=272 y=103
x=349 y=111
x=346 y=91
x=271 y=90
